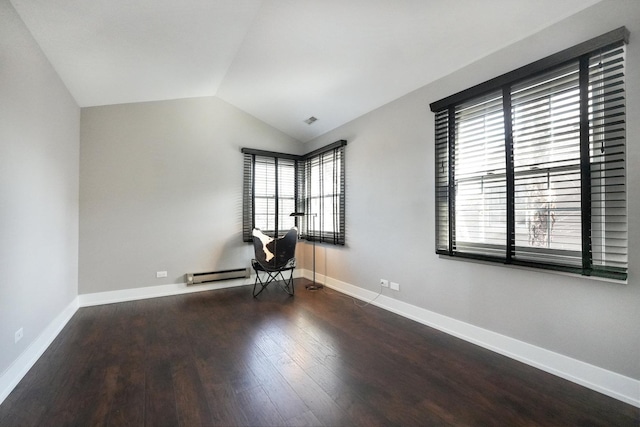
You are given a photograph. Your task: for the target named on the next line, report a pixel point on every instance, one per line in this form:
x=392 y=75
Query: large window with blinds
x=530 y=166
x=278 y=184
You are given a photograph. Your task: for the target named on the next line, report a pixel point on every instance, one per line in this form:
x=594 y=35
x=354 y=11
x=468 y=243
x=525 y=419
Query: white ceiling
x=279 y=60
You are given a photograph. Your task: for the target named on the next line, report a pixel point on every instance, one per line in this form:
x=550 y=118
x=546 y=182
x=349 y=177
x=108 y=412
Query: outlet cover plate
x=19 y=335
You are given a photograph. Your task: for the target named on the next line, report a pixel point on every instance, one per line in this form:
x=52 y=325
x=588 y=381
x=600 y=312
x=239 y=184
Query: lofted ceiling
x=281 y=61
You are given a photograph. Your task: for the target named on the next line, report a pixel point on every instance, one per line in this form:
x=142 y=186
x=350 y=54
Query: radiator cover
x=215 y=276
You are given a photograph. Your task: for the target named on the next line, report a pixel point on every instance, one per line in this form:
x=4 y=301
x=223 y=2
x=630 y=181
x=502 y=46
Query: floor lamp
x=313 y=286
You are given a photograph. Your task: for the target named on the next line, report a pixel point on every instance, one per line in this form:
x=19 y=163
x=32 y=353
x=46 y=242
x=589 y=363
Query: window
x=277 y=184
x=269 y=192
x=530 y=166
x=322 y=192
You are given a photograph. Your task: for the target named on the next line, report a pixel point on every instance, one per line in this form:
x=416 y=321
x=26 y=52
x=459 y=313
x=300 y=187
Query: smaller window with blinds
x=269 y=192
x=278 y=184
x=322 y=192
x=530 y=166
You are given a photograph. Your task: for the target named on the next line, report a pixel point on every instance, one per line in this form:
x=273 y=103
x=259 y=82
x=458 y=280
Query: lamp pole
x=313 y=286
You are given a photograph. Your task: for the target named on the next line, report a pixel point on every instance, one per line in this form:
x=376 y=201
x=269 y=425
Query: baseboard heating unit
x=215 y=276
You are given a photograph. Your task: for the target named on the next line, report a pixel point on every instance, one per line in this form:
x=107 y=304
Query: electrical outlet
x=160 y=274
x=19 y=334
x=395 y=286
x=384 y=283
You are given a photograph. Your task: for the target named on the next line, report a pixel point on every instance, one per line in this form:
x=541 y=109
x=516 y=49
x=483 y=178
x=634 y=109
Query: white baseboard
x=123 y=295
x=19 y=368
x=111 y=297
x=593 y=377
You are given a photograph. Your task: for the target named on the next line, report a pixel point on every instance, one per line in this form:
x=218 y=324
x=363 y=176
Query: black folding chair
x=273 y=256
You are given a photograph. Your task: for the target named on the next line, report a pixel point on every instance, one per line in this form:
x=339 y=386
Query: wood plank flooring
x=224 y=358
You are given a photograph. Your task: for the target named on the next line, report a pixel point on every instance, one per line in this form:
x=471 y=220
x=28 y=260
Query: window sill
x=533 y=269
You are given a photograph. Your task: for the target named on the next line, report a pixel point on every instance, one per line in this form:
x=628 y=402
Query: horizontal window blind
x=545 y=118
x=607 y=162
x=480 y=177
x=442 y=182
x=323 y=194
x=286 y=194
x=269 y=194
x=247 y=197
x=531 y=170
x=264 y=196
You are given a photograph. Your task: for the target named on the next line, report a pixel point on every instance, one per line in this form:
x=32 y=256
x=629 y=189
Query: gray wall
x=161 y=190
x=390 y=218
x=39 y=152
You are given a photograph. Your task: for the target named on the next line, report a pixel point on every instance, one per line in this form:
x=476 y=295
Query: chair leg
x=287 y=285
x=259 y=281
x=255 y=283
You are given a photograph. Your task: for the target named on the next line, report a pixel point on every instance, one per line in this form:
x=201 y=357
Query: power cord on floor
x=355 y=300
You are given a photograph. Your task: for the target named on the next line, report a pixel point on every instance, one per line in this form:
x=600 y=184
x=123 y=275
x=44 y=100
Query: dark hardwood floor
x=224 y=358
